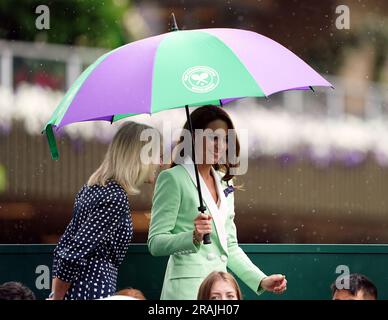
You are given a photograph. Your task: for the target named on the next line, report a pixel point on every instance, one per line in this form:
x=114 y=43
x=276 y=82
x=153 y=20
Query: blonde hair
x=207 y=284
x=122 y=161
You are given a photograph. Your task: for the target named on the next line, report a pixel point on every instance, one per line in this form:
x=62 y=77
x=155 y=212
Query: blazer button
x=224 y=258
x=211 y=256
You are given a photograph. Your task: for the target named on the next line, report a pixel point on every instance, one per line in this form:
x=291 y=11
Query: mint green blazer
x=174 y=208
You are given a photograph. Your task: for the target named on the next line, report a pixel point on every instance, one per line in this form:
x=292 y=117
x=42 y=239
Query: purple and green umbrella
x=178 y=69
x=181 y=69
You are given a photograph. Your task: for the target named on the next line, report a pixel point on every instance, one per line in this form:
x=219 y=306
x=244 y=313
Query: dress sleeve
x=101 y=222
x=66 y=235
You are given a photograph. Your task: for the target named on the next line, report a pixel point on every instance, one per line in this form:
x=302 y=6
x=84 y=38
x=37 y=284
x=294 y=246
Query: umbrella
x=181 y=69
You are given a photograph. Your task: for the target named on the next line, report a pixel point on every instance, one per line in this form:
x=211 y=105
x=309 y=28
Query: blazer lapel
x=219 y=215
x=220 y=190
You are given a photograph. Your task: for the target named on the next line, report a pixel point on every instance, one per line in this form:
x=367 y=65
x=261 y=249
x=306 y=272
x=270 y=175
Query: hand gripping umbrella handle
x=206 y=237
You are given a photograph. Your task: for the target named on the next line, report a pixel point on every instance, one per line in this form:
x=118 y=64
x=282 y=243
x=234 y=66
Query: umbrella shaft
x=201 y=208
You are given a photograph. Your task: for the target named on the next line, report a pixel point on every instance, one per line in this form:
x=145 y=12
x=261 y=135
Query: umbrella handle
x=206 y=237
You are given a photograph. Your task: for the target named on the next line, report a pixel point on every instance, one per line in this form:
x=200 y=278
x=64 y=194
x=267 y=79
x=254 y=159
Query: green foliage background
x=73 y=22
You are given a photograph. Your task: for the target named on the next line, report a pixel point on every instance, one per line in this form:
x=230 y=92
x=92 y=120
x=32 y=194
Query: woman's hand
x=59 y=289
x=202 y=226
x=275 y=283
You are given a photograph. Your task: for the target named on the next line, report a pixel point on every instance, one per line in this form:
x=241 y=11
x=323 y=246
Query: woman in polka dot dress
x=95 y=242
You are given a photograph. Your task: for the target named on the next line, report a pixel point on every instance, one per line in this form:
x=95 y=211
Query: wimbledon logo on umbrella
x=200 y=79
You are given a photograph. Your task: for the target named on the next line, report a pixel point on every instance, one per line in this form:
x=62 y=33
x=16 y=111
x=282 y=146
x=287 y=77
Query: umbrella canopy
x=175 y=69
x=181 y=69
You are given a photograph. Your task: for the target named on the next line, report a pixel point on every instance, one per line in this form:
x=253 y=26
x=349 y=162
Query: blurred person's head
x=219 y=285
x=15 y=291
x=124 y=161
x=215 y=125
x=360 y=288
x=131 y=292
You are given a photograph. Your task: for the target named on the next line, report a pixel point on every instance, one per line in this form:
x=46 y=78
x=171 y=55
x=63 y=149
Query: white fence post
x=373 y=103
x=336 y=101
x=6 y=68
x=73 y=69
x=293 y=100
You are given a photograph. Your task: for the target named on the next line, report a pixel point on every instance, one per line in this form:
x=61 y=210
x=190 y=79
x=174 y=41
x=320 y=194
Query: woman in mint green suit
x=177 y=230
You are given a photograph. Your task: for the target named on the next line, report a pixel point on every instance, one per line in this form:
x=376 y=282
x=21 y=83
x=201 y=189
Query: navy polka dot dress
x=95 y=242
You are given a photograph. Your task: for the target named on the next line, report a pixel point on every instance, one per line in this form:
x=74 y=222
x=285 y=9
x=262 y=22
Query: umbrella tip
x=174 y=26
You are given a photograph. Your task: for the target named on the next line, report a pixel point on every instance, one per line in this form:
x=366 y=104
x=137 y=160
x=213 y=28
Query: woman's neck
x=205 y=170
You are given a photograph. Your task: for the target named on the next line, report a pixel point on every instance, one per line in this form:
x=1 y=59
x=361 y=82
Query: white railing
x=372 y=97
x=73 y=57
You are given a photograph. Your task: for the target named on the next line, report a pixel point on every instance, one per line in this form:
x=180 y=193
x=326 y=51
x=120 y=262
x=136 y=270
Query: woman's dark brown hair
x=200 y=119
x=207 y=284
